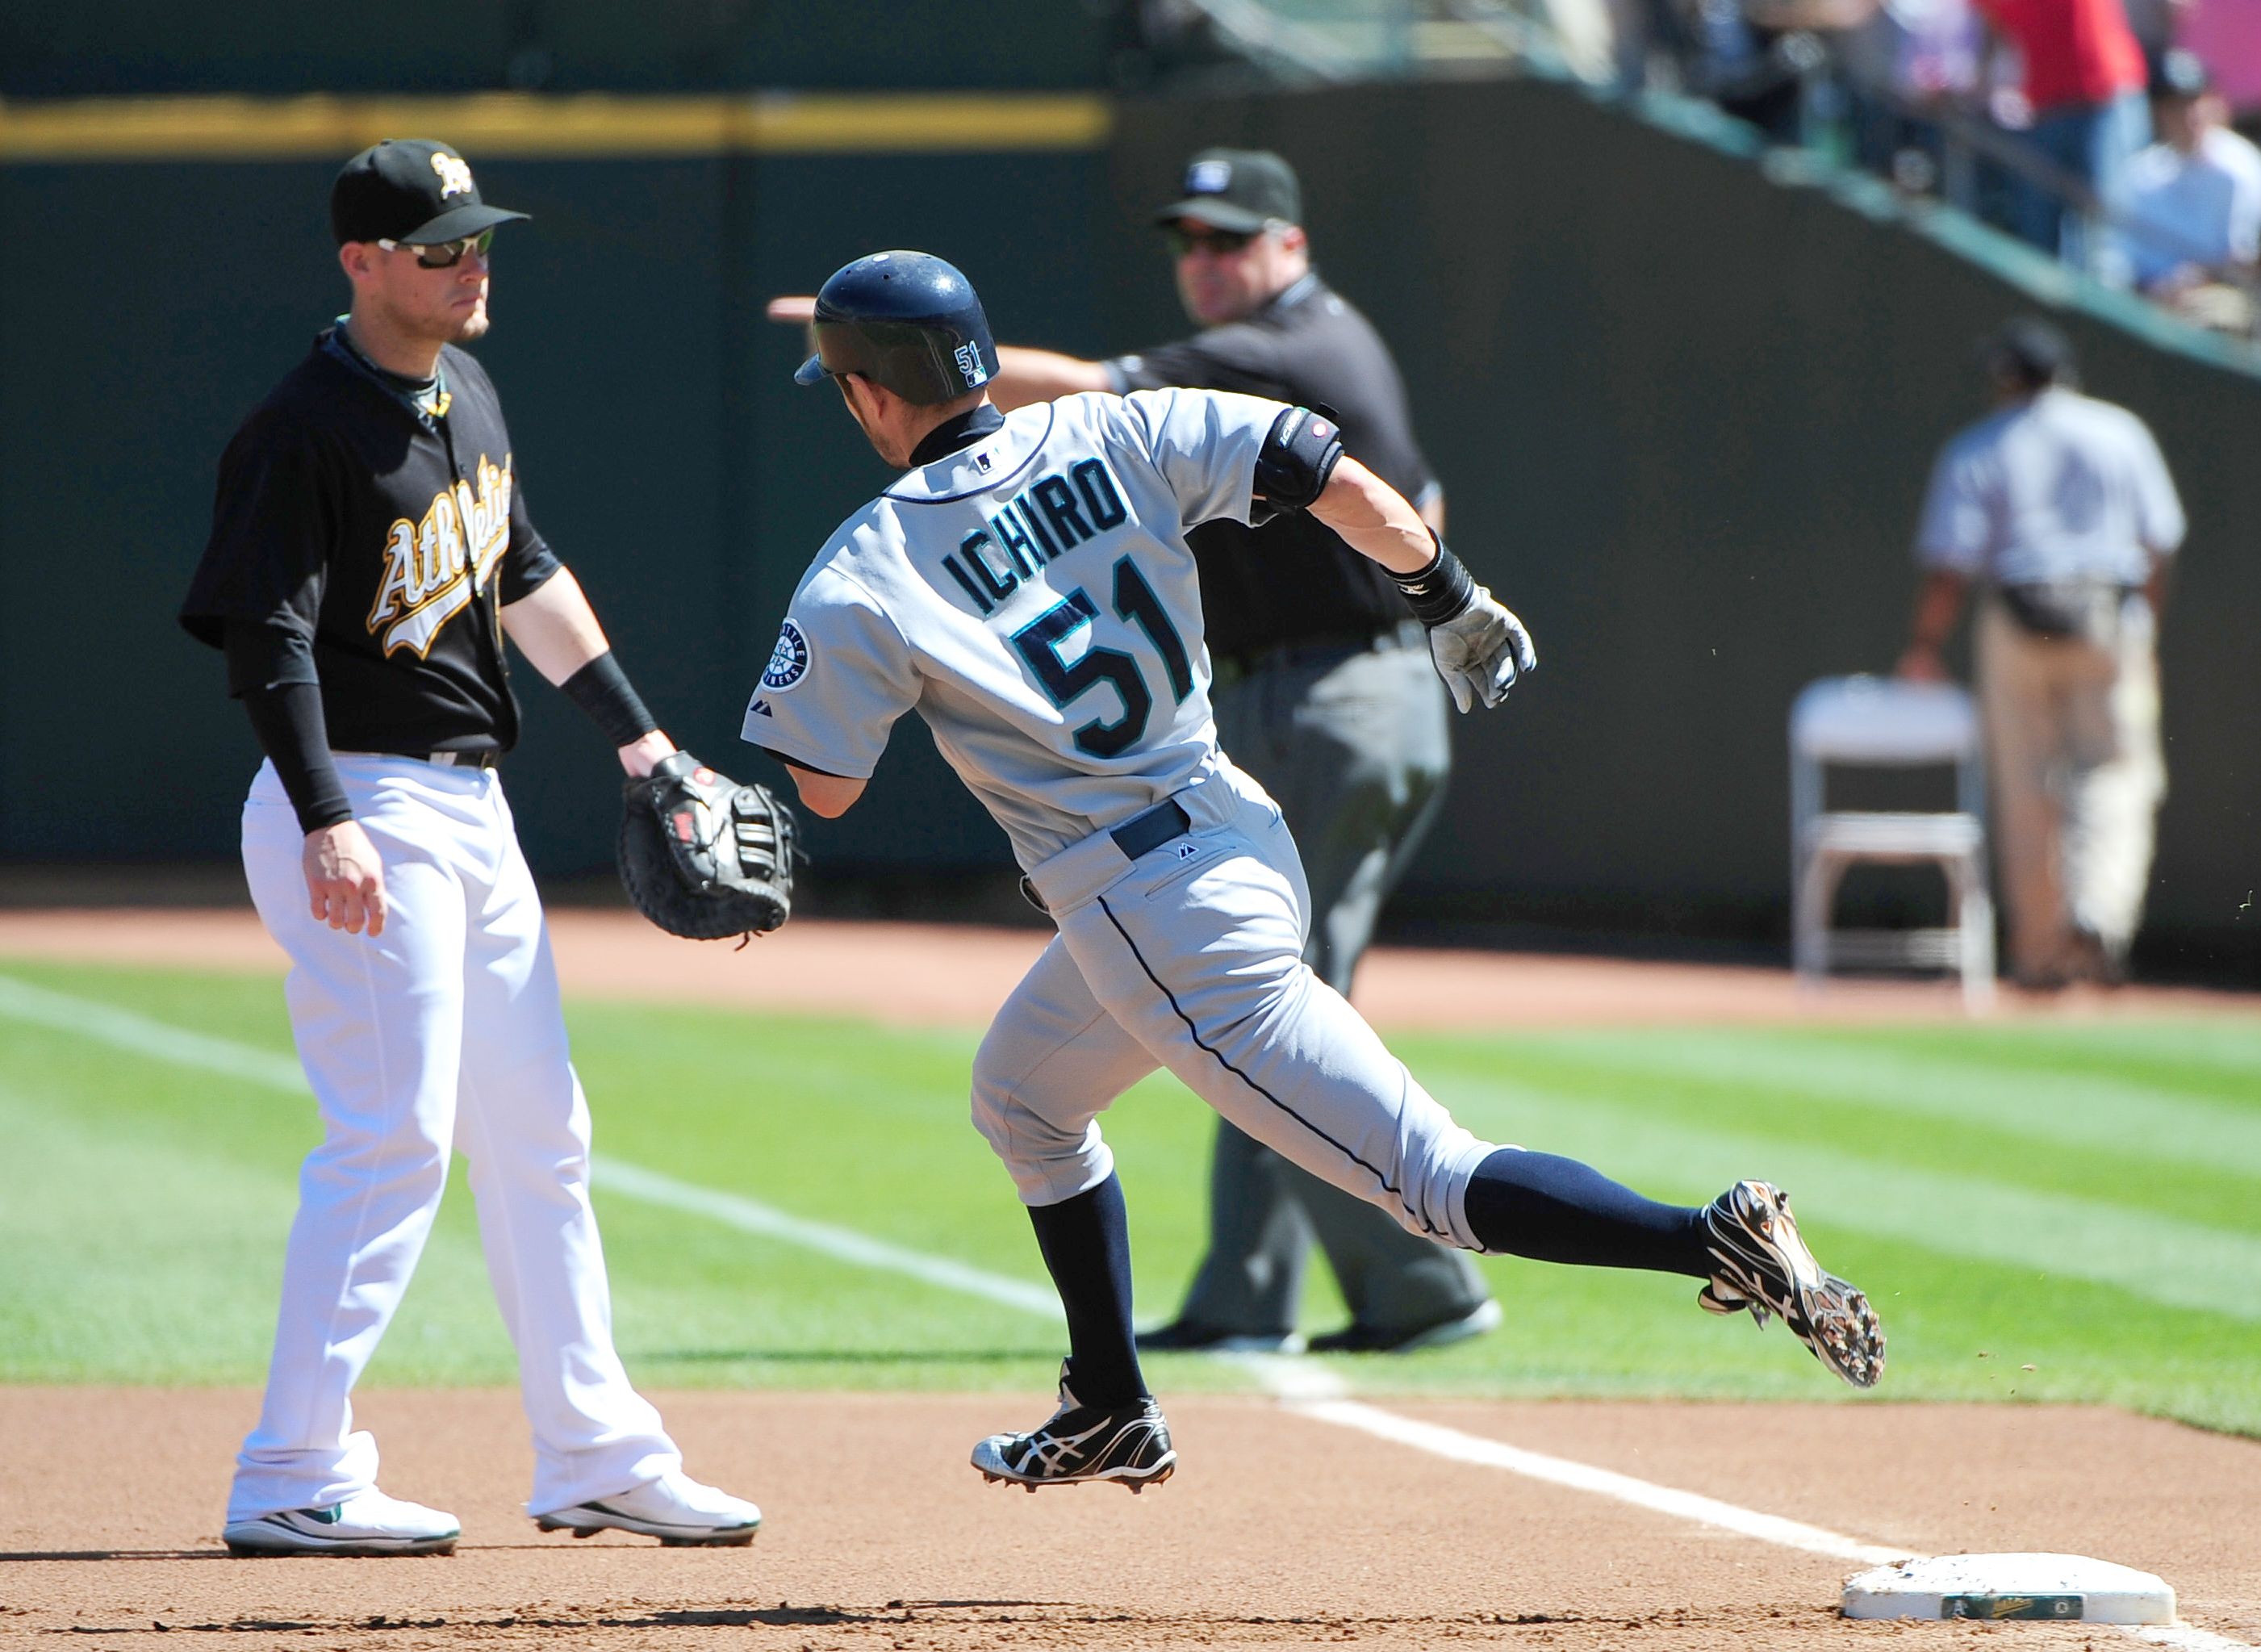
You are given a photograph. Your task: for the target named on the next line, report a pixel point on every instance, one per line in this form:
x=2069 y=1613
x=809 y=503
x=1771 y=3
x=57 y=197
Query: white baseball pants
x=445 y=1030
x=1191 y=958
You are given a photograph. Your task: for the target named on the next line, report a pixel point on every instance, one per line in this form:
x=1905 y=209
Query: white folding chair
x=1880 y=722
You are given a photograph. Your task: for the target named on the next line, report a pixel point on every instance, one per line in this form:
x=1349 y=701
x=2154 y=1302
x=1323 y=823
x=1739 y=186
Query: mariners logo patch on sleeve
x=788 y=660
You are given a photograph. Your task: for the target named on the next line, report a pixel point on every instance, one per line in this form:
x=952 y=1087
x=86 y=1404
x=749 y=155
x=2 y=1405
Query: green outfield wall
x=1683 y=411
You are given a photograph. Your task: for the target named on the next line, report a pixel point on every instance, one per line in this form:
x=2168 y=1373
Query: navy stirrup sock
x=1086 y=1242
x=1556 y=1209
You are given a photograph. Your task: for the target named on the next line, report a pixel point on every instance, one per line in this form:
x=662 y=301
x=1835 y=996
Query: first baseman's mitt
x=703 y=856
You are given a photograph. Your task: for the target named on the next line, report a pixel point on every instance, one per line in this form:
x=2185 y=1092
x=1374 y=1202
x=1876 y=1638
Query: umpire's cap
x=1237 y=190
x=907 y=321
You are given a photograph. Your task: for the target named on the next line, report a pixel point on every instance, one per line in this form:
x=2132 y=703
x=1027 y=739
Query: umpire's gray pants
x=1354 y=745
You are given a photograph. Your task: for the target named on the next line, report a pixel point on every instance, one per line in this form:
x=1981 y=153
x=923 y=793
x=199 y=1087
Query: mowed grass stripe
x=2204 y=1194
x=84 y=1018
x=2130 y=1119
x=2176 y=1263
x=2179 y=1264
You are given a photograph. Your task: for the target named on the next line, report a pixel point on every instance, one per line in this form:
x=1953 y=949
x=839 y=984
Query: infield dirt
x=1278 y=1531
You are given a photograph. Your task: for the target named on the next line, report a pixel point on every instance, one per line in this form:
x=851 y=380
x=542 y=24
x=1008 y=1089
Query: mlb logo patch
x=968 y=356
x=1208 y=178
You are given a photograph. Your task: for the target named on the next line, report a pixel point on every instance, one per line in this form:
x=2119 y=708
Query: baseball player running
x=370 y=550
x=1026 y=586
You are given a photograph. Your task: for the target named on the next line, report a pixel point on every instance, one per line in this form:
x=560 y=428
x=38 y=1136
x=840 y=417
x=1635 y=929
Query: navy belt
x=1142 y=833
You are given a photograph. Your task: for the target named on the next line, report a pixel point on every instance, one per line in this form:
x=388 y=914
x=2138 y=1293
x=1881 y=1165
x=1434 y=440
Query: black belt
x=488 y=759
x=1142 y=833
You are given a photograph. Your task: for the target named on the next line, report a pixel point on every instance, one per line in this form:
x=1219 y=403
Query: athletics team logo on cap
x=788 y=660
x=1208 y=178
x=455 y=174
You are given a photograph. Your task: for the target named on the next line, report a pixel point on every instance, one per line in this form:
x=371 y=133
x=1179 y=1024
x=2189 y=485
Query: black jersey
x=387 y=538
x=1294 y=579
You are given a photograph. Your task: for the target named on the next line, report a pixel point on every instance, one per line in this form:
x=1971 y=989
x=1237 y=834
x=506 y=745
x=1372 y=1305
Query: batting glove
x=1480 y=651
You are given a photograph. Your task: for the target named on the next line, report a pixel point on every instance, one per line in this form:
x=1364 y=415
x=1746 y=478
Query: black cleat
x=1128 y=1443
x=1766 y=1270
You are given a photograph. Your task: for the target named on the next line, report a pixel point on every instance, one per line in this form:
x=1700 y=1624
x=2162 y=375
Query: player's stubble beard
x=473 y=325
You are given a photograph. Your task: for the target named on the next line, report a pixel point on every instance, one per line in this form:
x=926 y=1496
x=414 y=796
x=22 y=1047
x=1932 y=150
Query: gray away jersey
x=1032 y=596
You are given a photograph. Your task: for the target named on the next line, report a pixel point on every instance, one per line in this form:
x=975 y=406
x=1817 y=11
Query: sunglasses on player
x=443 y=254
x=1188 y=239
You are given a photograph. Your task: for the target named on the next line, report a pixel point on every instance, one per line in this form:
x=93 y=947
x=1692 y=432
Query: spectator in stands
x=2153 y=23
x=1911 y=61
x=2192 y=204
x=2084 y=84
x=2059 y=507
x=2227 y=36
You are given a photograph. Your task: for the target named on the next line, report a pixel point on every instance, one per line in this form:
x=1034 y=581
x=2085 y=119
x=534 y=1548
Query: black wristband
x=1442 y=591
x=602 y=688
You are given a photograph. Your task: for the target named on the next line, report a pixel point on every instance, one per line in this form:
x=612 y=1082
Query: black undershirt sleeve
x=271 y=669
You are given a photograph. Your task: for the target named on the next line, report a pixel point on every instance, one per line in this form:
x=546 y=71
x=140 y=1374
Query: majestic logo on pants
x=434 y=567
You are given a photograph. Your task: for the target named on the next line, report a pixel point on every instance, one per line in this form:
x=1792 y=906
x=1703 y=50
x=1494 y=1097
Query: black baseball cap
x=2028 y=349
x=1237 y=190
x=409 y=190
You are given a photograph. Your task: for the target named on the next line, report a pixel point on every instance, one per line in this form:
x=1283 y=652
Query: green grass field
x=2081 y=1200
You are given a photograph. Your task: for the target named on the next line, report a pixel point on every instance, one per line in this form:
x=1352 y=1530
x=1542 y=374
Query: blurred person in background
x=2226 y=34
x=2059 y=508
x=2154 y=23
x=2198 y=191
x=2084 y=86
x=1324 y=693
x=1912 y=62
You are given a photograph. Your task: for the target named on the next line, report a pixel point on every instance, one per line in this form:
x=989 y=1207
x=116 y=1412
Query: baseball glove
x=703 y=856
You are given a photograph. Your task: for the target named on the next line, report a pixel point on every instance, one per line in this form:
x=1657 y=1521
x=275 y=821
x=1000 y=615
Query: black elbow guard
x=1297 y=458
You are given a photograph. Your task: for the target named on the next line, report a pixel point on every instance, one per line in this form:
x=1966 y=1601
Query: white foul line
x=1579 y=1476
x=1307 y=1390
x=751 y=1216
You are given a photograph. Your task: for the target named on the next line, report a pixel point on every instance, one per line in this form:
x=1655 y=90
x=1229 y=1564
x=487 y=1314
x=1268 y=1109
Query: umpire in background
x=1324 y=693
x=2059 y=508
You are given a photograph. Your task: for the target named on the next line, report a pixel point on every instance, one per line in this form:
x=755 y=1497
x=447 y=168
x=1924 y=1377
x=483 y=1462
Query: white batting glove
x=1481 y=652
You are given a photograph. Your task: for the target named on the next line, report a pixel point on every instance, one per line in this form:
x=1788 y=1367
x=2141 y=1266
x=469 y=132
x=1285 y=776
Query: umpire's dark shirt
x=1292 y=580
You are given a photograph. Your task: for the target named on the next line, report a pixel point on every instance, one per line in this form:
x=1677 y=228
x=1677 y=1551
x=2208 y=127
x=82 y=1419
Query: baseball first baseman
x=370 y=550
x=1026 y=586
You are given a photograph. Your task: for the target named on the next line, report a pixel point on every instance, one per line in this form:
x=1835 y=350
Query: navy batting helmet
x=904 y=319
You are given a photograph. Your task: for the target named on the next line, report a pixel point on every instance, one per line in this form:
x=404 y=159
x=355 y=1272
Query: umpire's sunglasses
x=1188 y=239
x=443 y=254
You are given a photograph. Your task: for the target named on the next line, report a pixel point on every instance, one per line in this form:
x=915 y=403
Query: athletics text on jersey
x=1033 y=596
